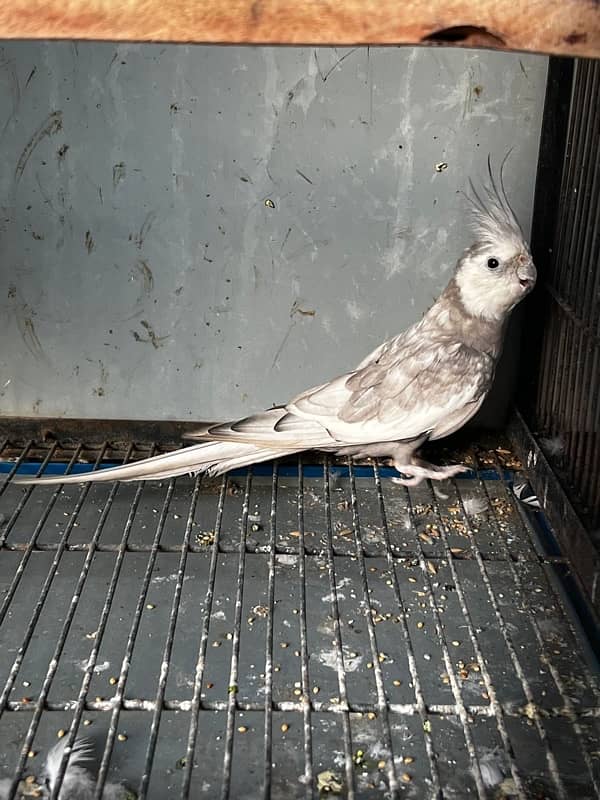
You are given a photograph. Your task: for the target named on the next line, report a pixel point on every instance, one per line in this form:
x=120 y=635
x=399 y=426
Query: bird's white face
x=493 y=278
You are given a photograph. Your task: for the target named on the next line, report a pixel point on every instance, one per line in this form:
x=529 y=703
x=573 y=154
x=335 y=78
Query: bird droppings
x=329 y=782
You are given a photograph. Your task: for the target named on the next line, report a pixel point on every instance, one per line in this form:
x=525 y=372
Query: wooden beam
x=569 y=27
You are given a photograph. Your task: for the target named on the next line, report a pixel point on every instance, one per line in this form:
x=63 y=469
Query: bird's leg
x=415 y=469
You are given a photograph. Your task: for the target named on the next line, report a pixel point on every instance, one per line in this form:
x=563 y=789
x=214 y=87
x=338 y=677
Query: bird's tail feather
x=213 y=458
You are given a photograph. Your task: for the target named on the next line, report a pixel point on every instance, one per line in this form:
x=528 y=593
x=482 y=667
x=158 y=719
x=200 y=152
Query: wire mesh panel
x=563 y=403
x=304 y=632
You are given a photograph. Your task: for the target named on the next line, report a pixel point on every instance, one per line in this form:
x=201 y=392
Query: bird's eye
x=493 y=263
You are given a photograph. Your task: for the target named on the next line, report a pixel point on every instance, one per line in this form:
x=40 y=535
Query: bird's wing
x=407 y=389
x=274 y=428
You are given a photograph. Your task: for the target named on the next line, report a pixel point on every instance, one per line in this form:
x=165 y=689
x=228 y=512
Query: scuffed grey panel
x=197 y=232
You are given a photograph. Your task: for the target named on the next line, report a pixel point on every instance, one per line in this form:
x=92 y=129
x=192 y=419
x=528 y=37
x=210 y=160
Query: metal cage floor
x=291 y=632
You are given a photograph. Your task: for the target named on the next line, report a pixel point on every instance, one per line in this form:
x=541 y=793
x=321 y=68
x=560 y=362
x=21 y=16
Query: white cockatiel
x=423 y=384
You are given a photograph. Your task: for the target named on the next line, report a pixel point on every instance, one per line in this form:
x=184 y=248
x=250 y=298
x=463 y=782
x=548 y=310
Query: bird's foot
x=415 y=473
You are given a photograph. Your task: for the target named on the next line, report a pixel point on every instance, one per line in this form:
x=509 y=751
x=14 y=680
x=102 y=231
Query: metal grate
x=564 y=401
x=268 y=634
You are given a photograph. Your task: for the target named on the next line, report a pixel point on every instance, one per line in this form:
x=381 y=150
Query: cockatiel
x=423 y=384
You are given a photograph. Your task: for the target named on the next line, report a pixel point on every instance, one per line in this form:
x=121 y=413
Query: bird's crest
x=493 y=220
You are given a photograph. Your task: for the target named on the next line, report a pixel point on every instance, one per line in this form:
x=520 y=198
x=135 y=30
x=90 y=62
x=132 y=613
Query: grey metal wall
x=195 y=232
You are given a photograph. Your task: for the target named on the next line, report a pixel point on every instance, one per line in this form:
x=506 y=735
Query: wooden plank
x=570 y=27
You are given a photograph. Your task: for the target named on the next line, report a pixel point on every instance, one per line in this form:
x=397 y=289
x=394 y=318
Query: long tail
x=212 y=458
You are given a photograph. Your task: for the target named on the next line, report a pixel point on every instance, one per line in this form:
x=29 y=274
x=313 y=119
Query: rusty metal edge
x=95 y=431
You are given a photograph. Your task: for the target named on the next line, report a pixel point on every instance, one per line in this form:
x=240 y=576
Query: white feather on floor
x=79 y=782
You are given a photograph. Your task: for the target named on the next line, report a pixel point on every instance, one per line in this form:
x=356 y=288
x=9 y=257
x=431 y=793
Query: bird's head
x=497 y=271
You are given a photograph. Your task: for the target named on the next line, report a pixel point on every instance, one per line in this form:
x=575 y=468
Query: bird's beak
x=527 y=274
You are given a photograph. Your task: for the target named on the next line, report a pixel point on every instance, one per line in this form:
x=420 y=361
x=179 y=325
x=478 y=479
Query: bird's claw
x=413 y=474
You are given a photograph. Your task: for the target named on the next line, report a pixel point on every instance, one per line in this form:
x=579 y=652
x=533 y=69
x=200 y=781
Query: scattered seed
x=408 y=759
x=99 y=699
x=381 y=764
x=284 y=644
x=405 y=777
x=112 y=680
x=229 y=636
x=61 y=733
x=297 y=692
x=315 y=690
x=371 y=715
x=150 y=606
x=209 y=685
x=412 y=580
x=397 y=682
x=216 y=644
x=31 y=754
x=242 y=729
x=121 y=737
x=87 y=722
x=420 y=625
x=369 y=665
x=431 y=568
x=26 y=683
x=284 y=727
x=455 y=643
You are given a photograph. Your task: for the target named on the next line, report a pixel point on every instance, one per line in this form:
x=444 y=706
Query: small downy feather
x=78 y=782
x=474 y=506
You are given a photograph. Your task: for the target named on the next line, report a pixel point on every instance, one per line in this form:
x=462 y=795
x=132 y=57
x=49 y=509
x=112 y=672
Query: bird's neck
x=450 y=318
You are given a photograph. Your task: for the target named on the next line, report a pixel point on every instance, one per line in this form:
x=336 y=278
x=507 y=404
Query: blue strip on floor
x=285 y=470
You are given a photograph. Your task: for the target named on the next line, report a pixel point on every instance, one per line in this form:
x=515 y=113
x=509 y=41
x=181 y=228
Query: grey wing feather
x=408 y=389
